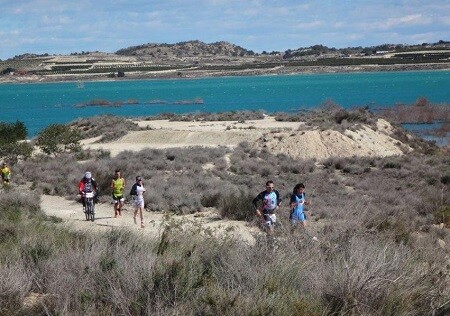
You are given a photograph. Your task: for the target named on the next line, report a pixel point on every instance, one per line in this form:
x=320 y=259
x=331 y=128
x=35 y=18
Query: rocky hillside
x=186 y=49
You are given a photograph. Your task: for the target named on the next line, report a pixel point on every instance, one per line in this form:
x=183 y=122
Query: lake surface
x=41 y=104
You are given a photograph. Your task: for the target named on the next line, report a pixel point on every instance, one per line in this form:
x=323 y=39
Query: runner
x=117 y=186
x=6 y=174
x=271 y=202
x=298 y=199
x=137 y=191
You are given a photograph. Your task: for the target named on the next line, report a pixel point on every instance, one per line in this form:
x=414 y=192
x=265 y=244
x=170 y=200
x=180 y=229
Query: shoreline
x=201 y=74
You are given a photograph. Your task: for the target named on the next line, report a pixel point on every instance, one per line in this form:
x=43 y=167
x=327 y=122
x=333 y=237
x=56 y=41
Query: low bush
x=108 y=126
x=237 y=206
x=239 y=116
x=16 y=205
x=442 y=215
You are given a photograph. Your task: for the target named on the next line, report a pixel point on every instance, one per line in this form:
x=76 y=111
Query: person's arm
x=80 y=187
x=96 y=188
x=255 y=204
x=256 y=199
x=293 y=202
x=133 y=189
x=307 y=202
x=278 y=198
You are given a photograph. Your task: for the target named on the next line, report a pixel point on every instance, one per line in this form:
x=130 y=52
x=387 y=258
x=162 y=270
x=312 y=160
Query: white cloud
x=309 y=25
x=412 y=19
x=338 y=24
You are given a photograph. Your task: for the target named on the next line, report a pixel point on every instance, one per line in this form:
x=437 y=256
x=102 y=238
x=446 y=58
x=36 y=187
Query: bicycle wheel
x=86 y=211
x=92 y=211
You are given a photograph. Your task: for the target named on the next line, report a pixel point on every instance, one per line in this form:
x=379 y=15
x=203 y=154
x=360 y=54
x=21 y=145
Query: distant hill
x=186 y=49
x=193 y=59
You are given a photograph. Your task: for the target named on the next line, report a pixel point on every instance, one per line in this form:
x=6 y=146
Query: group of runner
x=88 y=184
x=270 y=201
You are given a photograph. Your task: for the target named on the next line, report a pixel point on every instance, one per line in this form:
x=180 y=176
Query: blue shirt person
x=298 y=201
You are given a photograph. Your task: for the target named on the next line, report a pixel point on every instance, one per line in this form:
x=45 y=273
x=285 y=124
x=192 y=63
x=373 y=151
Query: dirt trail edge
x=73 y=217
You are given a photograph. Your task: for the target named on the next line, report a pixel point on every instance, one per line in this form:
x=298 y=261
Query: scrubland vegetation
x=383 y=226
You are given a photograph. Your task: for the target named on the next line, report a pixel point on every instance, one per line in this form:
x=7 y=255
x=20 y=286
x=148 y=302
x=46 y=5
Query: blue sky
x=63 y=27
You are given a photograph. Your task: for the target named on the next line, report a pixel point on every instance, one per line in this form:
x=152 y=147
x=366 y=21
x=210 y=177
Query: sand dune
x=278 y=137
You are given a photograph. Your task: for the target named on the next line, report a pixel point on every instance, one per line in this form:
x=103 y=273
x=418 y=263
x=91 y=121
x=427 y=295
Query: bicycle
x=89 y=206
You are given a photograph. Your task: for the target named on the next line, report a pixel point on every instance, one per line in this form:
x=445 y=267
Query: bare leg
x=142 y=217
x=135 y=214
x=119 y=208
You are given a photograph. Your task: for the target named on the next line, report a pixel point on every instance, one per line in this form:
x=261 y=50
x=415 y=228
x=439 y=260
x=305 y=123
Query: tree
x=58 y=138
x=12 y=144
x=15 y=151
x=8 y=70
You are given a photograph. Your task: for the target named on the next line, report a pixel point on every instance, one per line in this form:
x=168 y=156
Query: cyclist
x=87 y=184
x=271 y=202
x=117 y=186
x=6 y=174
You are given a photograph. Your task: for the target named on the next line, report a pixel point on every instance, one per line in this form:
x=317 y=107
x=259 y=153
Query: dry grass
x=108 y=126
x=422 y=111
x=380 y=252
x=240 y=116
x=190 y=271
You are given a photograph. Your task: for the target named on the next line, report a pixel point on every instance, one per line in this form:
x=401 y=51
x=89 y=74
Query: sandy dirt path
x=72 y=216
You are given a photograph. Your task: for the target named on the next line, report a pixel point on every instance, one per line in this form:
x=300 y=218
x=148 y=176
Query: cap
x=88 y=175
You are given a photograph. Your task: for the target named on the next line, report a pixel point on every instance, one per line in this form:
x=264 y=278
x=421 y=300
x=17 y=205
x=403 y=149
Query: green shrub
x=237 y=206
x=392 y=165
x=445 y=179
x=58 y=138
x=17 y=204
x=12 y=132
x=442 y=215
x=38 y=252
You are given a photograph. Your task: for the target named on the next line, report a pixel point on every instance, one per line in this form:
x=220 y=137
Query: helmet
x=88 y=175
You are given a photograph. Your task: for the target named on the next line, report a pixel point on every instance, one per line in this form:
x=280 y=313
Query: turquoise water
x=39 y=105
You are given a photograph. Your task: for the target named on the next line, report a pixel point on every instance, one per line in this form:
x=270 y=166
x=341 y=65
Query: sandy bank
x=277 y=137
